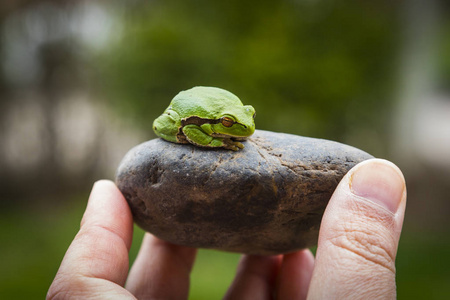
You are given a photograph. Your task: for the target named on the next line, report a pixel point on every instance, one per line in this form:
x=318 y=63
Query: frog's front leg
x=197 y=136
x=227 y=141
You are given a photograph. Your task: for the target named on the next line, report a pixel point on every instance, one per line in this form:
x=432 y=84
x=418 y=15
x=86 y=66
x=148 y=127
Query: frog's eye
x=227 y=122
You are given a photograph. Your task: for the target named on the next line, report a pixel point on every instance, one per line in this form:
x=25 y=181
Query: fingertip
x=359 y=233
x=303 y=257
x=108 y=208
x=105 y=193
x=379 y=181
x=100 y=248
x=104 y=183
x=295 y=275
x=255 y=278
x=105 y=188
x=161 y=270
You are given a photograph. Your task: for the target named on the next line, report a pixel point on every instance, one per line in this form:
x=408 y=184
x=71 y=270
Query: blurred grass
x=423 y=262
x=33 y=244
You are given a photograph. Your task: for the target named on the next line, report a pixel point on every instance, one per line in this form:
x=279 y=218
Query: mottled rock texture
x=265 y=199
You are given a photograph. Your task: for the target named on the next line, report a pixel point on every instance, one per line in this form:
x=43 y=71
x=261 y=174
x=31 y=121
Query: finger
x=97 y=259
x=359 y=235
x=255 y=278
x=161 y=270
x=295 y=275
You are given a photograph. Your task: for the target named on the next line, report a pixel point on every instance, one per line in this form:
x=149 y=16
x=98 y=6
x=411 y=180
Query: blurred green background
x=82 y=81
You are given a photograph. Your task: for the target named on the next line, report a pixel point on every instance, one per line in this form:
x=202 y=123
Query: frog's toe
x=239 y=145
x=232 y=145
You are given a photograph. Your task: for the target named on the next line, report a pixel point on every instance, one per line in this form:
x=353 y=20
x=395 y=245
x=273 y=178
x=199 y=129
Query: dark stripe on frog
x=194 y=120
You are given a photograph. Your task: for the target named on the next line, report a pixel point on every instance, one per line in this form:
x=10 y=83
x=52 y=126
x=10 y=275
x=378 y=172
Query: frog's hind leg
x=167 y=125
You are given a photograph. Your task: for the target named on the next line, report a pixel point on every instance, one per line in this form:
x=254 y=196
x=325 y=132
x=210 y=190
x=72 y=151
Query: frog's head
x=237 y=122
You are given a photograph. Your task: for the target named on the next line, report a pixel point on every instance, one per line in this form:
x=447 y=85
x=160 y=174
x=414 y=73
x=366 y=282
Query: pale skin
x=355 y=257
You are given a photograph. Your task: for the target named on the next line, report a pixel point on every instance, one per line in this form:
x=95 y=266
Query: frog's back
x=207 y=102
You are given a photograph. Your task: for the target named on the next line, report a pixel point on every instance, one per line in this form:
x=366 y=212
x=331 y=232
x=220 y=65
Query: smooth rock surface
x=265 y=199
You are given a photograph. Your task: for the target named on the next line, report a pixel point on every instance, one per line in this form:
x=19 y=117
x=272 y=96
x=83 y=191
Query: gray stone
x=267 y=198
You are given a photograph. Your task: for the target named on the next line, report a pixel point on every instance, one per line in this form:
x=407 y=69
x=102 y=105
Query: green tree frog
x=207 y=117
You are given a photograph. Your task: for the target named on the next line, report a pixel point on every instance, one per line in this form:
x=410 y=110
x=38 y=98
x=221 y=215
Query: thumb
x=359 y=235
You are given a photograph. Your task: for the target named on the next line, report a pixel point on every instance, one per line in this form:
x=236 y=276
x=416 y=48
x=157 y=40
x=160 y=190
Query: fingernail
x=379 y=181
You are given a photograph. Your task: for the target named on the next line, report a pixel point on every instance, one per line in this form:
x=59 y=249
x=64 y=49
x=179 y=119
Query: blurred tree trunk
x=59 y=78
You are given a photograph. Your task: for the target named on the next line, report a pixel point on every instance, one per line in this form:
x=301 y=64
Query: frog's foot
x=232 y=145
x=225 y=143
x=240 y=139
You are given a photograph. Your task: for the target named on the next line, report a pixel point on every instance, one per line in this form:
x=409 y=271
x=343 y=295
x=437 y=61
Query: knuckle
x=373 y=246
x=62 y=288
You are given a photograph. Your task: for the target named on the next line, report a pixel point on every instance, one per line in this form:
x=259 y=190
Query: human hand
x=96 y=264
x=358 y=242
x=355 y=257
